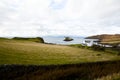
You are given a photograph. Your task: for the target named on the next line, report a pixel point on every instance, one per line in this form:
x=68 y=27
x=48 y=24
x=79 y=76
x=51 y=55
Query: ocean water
x=59 y=40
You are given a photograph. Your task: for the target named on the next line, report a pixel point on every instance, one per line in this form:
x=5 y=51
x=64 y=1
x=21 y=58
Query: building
x=90 y=42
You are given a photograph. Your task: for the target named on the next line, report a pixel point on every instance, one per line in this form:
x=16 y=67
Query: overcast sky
x=59 y=17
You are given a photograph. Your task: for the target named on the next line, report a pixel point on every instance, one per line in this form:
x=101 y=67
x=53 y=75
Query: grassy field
x=28 y=52
x=29 y=60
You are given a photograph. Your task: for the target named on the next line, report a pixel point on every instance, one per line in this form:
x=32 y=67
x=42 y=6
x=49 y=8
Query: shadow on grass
x=82 y=71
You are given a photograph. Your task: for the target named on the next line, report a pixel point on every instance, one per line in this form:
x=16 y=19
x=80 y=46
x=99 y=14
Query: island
x=68 y=39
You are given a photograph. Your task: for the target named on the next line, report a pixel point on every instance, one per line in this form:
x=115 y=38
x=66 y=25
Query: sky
x=30 y=18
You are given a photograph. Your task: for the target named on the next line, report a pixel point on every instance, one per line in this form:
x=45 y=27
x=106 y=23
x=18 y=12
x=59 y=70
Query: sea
x=60 y=40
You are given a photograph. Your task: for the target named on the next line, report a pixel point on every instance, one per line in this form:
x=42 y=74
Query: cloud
x=59 y=17
x=57 y=4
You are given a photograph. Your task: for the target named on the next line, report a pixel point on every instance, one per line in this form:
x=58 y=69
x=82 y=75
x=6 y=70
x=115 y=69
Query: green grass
x=113 y=50
x=35 y=39
x=37 y=61
x=111 y=42
x=28 y=52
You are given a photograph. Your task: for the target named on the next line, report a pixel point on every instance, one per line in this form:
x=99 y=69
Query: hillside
x=106 y=38
x=28 y=60
x=36 y=39
x=27 y=52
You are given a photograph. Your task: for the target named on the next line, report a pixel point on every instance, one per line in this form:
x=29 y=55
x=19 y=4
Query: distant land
x=106 y=38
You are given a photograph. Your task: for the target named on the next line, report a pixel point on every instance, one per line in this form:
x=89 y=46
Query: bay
x=59 y=40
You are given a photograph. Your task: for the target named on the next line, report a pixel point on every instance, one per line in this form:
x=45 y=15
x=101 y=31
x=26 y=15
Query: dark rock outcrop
x=68 y=39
